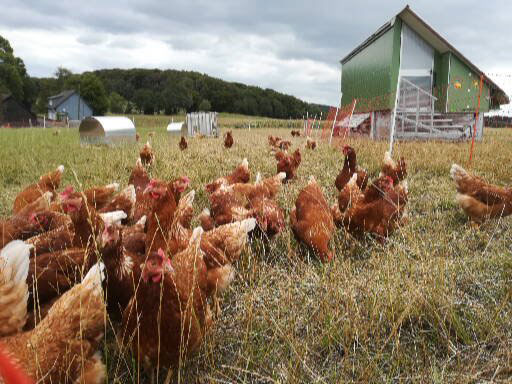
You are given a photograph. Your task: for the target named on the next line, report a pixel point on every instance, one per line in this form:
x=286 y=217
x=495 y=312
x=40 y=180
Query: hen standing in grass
x=47 y=183
x=122 y=266
x=222 y=245
x=97 y=197
x=183 y=143
x=64 y=347
x=311 y=220
x=347 y=198
x=261 y=203
x=140 y=180
x=397 y=172
x=288 y=163
x=478 y=199
x=228 y=140
x=241 y=174
x=166 y=320
x=379 y=211
x=310 y=144
x=165 y=197
x=19 y=226
x=58 y=232
x=146 y=154
x=349 y=168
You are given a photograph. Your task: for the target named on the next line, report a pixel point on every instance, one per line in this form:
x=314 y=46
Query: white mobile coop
x=106 y=130
x=177 y=129
x=203 y=123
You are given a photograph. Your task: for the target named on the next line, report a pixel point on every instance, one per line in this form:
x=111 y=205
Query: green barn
x=410 y=83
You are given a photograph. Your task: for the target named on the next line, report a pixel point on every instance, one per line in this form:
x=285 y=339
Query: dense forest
x=151 y=91
x=148 y=91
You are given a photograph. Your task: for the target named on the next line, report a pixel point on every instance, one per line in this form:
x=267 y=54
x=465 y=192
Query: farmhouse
x=411 y=83
x=13 y=113
x=68 y=104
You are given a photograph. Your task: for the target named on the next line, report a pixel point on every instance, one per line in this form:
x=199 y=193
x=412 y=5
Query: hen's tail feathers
x=205 y=212
x=113 y=217
x=245 y=163
x=15 y=257
x=60 y=169
x=281 y=176
x=388 y=160
x=114 y=186
x=258 y=178
x=405 y=186
x=187 y=199
x=94 y=371
x=95 y=276
x=46 y=199
x=223 y=276
x=353 y=180
x=457 y=172
x=195 y=239
x=142 y=221
x=248 y=225
x=312 y=179
x=129 y=193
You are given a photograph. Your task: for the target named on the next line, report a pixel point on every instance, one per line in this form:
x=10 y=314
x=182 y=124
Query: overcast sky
x=288 y=45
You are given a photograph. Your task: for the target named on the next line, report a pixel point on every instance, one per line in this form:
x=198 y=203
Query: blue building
x=68 y=104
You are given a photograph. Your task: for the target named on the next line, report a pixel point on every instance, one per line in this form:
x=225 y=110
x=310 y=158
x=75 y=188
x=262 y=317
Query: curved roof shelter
x=177 y=129
x=106 y=130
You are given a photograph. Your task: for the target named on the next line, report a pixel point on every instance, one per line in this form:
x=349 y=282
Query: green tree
x=62 y=74
x=177 y=96
x=118 y=103
x=205 y=105
x=93 y=92
x=145 y=100
x=13 y=76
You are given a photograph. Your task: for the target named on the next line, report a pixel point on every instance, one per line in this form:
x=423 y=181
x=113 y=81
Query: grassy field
x=226 y=120
x=432 y=305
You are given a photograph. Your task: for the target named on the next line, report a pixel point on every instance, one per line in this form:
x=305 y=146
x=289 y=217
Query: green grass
x=226 y=120
x=431 y=305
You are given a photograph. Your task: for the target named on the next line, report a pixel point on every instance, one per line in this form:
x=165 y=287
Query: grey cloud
x=91 y=39
x=322 y=31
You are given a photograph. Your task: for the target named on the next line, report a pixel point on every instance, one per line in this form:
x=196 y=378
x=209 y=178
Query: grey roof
x=426 y=32
x=60 y=98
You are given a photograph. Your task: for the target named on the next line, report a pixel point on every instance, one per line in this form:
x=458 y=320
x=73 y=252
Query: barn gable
x=423 y=86
x=68 y=104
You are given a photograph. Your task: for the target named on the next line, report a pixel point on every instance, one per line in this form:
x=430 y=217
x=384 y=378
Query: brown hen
x=478 y=199
x=311 y=220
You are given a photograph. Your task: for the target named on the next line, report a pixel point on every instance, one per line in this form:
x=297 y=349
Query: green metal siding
x=368 y=75
x=441 y=69
x=465 y=98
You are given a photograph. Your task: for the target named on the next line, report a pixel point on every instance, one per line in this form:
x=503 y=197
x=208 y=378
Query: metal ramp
x=415 y=117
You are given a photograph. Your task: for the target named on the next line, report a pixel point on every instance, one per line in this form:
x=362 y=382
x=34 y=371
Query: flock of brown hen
x=144 y=264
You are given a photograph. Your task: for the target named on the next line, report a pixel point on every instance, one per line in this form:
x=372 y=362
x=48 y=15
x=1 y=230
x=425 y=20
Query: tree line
x=155 y=91
x=148 y=91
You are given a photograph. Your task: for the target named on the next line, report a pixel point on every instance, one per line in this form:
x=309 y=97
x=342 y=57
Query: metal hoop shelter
x=106 y=130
